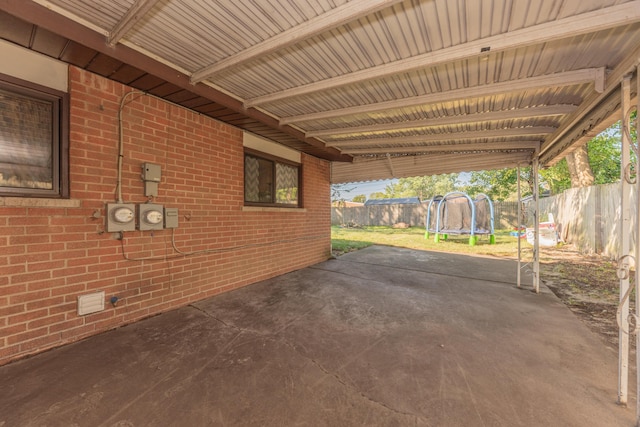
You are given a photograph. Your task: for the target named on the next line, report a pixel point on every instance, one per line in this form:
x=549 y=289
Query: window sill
x=36 y=202
x=272 y=209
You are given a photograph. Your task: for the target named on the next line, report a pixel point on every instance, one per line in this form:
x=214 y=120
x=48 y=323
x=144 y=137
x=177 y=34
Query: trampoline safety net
x=457 y=213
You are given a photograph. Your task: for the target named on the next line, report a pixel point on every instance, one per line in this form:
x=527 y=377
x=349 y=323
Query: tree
x=423 y=187
x=556 y=178
x=498 y=184
x=377 y=195
x=338 y=193
x=580 y=168
x=604 y=155
x=360 y=198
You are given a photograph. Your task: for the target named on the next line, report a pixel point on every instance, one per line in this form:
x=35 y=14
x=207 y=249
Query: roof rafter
x=541 y=111
x=567 y=78
x=367 y=169
x=419 y=139
x=597 y=20
x=333 y=18
x=476 y=146
x=133 y=15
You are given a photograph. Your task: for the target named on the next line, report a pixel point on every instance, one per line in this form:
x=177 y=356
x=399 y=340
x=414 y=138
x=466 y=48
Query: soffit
x=403 y=88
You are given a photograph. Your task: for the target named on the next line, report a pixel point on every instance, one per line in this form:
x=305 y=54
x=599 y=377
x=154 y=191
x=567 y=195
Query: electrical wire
x=121 y=144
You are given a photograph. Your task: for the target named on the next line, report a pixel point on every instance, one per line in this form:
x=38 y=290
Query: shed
x=394 y=201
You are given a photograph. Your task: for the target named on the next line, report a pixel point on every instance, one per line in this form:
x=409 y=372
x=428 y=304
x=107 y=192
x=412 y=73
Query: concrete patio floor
x=379 y=337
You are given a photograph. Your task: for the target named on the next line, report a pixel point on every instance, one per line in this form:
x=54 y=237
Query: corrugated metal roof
x=405 y=88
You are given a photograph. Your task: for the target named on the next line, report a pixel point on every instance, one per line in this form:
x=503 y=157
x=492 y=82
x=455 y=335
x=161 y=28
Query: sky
x=365 y=188
x=370 y=187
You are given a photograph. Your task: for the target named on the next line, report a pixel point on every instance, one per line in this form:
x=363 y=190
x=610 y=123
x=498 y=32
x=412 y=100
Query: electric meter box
x=150 y=217
x=120 y=217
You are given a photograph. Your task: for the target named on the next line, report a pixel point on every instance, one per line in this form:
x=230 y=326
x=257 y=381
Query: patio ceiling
x=384 y=88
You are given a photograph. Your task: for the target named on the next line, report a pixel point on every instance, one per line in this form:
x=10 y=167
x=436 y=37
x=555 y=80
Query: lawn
x=345 y=239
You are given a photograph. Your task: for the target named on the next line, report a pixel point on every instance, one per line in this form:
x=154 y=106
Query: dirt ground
x=588 y=285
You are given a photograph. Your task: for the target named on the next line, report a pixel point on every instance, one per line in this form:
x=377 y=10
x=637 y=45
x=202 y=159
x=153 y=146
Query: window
x=33 y=140
x=270 y=181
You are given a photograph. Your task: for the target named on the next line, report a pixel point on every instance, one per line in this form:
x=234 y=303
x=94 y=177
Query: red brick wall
x=51 y=255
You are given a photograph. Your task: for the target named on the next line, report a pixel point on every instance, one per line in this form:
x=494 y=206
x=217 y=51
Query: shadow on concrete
x=379 y=337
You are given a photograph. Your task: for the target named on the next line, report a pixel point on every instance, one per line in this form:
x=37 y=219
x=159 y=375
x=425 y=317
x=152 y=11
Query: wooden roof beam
x=477 y=146
x=131 y=18
x=518 y=113
x=368 y=169
x=441 y=137
x=567 y=78
x=597 y=20
x=334 y=18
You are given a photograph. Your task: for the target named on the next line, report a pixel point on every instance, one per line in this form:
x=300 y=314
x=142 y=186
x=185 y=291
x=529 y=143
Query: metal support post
x=636 y=147
x=623 y=261
x=536 y=224
x=518 y=225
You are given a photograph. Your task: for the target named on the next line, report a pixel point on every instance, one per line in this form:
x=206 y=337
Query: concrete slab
x=380 y=337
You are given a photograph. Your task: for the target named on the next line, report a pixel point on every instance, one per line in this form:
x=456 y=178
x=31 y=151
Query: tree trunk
x=579 y=168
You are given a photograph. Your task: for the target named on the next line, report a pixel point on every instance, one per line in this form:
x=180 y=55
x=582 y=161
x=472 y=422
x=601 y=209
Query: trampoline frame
x=473 y=231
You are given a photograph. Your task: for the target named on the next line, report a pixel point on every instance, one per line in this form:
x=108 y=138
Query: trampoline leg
x=473 y=240
x=445 y=236
x=426 y=235
x=436 y=237
x=492 y=239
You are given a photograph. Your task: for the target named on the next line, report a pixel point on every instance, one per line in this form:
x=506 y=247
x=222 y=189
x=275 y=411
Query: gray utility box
x=151 y=176
x=170 y=217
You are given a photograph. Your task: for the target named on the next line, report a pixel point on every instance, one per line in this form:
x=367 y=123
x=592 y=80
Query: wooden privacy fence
x=586 y=217
x=589 y=218
x=505 y=214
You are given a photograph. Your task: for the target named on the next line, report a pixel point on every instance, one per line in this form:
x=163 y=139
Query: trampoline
x=457 y=213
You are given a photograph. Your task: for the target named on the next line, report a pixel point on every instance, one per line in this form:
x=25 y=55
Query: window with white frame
x=33 y=141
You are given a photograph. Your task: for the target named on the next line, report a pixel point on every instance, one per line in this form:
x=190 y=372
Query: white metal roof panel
x=398 y=63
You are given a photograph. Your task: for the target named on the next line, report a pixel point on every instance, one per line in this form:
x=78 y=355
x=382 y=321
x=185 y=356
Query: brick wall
x=51 y=254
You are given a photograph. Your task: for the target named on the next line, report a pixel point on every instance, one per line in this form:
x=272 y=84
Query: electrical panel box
x=151 y=174
x=150 y=217
x=170 y=217
x=120 y=217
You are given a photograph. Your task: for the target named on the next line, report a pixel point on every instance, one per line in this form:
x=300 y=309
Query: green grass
x=350 y=239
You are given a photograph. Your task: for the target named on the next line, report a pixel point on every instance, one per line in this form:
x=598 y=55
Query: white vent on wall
x=90 y=303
